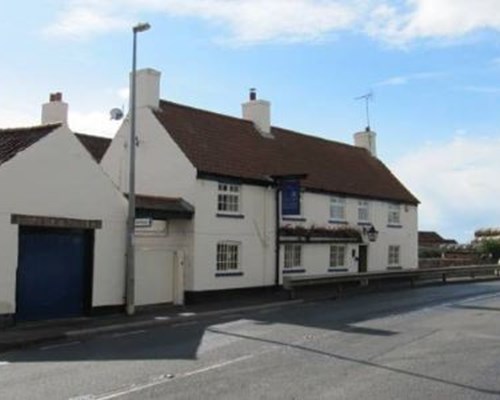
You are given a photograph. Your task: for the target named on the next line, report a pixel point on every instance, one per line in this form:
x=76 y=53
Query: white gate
x=157 y=274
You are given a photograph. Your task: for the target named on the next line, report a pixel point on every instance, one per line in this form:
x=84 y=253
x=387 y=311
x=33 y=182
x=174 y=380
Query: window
x=337 y=208
x=394 y=214
x=337 y=256
x=393 y=257
x=293 y=256
x=228 y=200
x=363 y=211
x=228 y=256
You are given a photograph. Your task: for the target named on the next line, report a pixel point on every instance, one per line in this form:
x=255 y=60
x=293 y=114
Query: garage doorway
x=54 y=274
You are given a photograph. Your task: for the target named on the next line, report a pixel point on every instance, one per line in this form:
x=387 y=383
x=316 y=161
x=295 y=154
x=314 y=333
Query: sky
x=433 y=67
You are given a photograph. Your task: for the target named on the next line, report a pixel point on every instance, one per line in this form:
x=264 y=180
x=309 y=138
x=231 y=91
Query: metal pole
x=277 y=235
x=130 y=255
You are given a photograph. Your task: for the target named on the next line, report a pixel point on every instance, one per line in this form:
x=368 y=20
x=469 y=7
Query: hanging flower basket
x=344 y=233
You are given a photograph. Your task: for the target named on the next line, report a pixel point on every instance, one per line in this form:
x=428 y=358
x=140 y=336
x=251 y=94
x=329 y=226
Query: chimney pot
x=55 y=96
x=253 y=94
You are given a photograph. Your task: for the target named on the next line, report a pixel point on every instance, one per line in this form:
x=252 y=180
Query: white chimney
x=259 y=112
x=55 y=111
x=147 y=88
x=368 y=140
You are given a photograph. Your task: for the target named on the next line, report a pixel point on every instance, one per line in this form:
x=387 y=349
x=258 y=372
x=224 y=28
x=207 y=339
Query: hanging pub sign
x=290 y=197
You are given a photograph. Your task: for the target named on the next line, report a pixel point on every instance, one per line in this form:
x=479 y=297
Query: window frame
x=338 y=203
x=223 y=260
x=337 y=258
x=394 y=255
x=394 y=214
x=224 y=191
x=296 y=254
x=363 y=205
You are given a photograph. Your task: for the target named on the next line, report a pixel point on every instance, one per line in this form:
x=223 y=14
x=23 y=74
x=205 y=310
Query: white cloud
x=405 y=79
x=456 y=182
x=429 y=19
x=11 y=119
x=482 y=89
x=248 y=21
x=257 y=21
x=93 y=123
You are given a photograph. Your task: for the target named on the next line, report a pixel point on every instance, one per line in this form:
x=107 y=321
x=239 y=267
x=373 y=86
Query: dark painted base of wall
x=6 y=320
x=232 y=294
x=107 y=310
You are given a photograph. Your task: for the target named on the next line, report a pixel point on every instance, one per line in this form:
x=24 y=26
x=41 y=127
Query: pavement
x=26 y=334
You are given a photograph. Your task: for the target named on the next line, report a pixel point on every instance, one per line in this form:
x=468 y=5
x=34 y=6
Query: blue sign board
x=290 y=197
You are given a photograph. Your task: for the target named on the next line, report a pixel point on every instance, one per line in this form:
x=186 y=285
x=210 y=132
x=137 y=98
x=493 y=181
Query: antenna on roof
x=367 y=98
x=116 y=114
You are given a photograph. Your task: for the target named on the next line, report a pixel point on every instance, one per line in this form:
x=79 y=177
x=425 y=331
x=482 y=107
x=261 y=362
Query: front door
x=363 y=259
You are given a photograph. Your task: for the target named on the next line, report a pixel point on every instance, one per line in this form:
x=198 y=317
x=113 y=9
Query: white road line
x=159 y=382
x=122 y=334
x=4 y=363
x=56 y=346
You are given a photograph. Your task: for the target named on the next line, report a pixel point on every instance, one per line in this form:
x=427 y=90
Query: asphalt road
x=440 y=342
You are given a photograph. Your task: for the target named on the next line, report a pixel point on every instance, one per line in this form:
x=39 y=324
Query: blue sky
x=433 y=65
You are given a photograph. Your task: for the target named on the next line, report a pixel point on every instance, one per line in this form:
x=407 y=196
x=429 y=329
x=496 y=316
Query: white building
x=62 y=223
x=210 y=178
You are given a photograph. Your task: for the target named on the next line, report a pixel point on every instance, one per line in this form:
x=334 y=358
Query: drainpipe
x=277 y=236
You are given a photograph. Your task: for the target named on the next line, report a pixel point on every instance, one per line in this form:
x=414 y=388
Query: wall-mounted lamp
x=371 y=233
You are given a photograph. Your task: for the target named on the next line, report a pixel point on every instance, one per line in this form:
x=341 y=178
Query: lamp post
x=130 y=265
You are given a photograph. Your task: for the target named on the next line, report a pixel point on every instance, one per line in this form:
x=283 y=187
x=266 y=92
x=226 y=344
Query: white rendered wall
x=255 y=233
x=57 y=177
x=161 y=167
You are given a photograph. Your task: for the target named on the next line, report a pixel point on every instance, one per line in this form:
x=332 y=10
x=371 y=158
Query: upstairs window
x=228 y=256
x=337 y=256
x=293 y=256
x=228 y=199
x=394 y=215
x=393 y=255
x=337 y=208
x=363 y=211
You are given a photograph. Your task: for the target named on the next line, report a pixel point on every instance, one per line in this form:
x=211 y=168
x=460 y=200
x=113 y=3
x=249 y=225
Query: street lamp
x=371 y=233
x=130 y=265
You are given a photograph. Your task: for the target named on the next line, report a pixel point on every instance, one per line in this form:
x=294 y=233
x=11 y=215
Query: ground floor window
x=337 y=256
x=293 y=256
x=394 y=255
x=228 y=256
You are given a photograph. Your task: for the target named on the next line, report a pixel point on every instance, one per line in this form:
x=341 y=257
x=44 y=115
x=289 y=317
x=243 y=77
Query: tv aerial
x=116 y=114
x=367 y=98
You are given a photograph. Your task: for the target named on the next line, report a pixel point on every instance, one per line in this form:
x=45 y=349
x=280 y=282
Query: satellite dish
x=116 y=114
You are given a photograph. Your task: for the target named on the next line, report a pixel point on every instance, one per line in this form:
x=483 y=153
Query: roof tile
x=232 y=147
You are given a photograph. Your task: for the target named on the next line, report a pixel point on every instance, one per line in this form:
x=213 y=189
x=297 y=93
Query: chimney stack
x=259 y=112
x=147 y=88
x=367 y=139
x=55 y=111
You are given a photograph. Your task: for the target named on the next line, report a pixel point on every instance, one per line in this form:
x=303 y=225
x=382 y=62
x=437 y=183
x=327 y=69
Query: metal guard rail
x=292 y=282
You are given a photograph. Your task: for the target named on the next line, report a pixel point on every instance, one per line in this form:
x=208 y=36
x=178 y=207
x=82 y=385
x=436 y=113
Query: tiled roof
x=96 y=145
x=14 y=140
x=431 y=237
x=226 y=146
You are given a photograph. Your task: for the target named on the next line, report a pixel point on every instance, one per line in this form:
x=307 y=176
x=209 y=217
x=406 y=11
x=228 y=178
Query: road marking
x=4 y=363
x=56 y=346
x=169 y=377
x=122 y=334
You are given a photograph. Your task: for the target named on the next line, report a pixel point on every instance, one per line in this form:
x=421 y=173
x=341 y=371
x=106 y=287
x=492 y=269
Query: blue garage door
x=54 y=272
